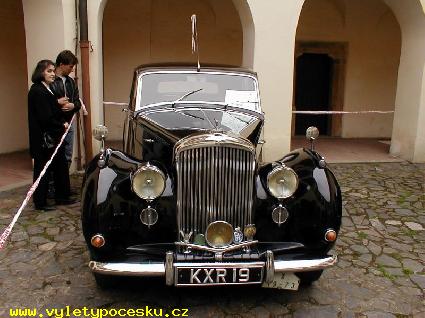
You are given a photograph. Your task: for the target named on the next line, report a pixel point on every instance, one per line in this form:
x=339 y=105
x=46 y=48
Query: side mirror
x=100 y=132
x=312 y=133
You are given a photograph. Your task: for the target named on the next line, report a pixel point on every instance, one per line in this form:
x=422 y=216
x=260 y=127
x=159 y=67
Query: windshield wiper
x=186 y=95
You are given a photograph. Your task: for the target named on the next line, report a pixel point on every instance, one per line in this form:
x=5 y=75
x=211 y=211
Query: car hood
x=176 y=123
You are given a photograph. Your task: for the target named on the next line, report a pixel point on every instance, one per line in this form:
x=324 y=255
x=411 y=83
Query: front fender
x=314 y=208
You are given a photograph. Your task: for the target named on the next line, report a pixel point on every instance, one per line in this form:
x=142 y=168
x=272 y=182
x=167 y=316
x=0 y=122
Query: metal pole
x=85 y=74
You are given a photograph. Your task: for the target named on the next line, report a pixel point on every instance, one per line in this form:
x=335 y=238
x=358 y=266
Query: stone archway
x=13 y=83
x=401 y=84
x=369 y=40
x=143 y=32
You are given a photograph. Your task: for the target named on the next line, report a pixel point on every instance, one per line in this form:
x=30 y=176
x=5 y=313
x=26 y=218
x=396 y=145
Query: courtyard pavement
x=380 y=274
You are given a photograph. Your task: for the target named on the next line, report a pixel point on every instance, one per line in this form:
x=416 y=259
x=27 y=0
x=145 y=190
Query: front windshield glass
x=236 y=90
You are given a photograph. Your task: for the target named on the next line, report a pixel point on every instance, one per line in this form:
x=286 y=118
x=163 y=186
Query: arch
x=13 y=62
x=368 y=65
x=408 y=136
x=248 y=28
x=141 y=32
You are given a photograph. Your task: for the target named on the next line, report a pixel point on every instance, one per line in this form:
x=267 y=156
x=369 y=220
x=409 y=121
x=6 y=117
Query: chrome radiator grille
x=214 y=183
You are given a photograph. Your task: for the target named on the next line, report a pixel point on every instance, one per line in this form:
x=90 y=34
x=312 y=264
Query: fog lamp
x=149 y=216
x=219 y=234
x=330 y=235
x=280 y=215
x=148 y=182
x=97 y=240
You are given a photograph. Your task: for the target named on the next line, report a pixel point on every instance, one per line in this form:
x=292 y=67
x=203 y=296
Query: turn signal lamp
x=97 y=240
x=330 y=235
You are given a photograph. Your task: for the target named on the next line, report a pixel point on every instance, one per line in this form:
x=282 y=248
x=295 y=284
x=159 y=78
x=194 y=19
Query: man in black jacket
x=66 y=92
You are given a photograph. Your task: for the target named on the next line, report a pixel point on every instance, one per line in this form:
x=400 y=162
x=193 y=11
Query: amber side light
x=330 y=235
x=97 y=240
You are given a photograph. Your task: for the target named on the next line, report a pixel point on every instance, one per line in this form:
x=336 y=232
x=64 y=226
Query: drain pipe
x=85 y=74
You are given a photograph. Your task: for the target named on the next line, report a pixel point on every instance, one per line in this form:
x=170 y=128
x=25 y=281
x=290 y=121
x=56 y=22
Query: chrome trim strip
x=216 y=249
x=211 y=140
x=305 y=265
x=128 y=269
x=269 y=267
x=158 y=269
x=169 y=269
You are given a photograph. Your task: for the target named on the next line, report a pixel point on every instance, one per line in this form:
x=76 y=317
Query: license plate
x=288 y=281
x=218 y=274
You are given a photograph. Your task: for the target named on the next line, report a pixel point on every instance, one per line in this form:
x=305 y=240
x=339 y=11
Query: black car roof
x=186 y=67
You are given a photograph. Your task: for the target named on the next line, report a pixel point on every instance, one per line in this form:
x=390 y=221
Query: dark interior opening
x=313 y=92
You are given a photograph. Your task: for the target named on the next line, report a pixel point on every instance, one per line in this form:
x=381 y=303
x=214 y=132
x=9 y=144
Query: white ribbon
x=311 y=112
x=115 y=103
x=30 y=192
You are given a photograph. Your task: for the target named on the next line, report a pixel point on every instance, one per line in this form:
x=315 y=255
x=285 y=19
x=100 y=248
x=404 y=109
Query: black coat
x=44 y=115
x=73 y=95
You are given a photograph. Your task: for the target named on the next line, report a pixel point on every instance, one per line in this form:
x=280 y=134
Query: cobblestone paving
x=380 y=273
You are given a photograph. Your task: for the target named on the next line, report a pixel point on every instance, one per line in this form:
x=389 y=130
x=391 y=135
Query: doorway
x=313 y=92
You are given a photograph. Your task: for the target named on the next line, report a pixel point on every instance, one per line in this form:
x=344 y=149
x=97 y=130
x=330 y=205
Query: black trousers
x=60 y=170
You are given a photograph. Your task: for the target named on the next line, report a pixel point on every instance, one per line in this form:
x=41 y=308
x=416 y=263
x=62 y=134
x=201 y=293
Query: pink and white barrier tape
x=331 y=112
x=30 y=192
x=306 y=112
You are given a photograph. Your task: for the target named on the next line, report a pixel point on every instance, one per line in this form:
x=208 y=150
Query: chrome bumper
x=167 y=269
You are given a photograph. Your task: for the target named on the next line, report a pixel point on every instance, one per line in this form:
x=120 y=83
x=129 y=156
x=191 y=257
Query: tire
x=307 y=278
x=105 y=281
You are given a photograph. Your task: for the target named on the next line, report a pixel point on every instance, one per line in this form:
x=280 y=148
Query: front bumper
x=167 y=268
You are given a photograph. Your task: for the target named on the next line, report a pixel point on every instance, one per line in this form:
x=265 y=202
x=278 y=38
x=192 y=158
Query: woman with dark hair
x=46 y=126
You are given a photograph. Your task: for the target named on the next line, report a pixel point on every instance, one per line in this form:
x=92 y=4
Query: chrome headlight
x=148 y=182
x=282 y=182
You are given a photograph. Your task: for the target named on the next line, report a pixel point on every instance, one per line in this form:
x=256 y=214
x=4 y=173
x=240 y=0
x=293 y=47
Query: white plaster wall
x=408 y=133
x=140 y=32
x=275 y=28
x=374 y=43
x=13 y=83
x=44 y=28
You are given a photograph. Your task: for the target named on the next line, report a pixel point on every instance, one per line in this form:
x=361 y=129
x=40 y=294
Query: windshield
x=202 y=119
x=238 y=90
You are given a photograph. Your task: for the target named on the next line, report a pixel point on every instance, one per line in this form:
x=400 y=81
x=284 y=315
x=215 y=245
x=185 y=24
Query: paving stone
x=53 y=231
x=360 y=249
x=18 y=236
x=386 y=260
x=38 y=240
x=413 y=265
x=404 y=212
x=419 y=280
x=34 y=229
x=374 y=248
x=317 y=312
x=378 y=314
x=47 y=246
x=414 y=226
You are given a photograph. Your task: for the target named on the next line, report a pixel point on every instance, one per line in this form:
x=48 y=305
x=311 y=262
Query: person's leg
x=69 y=143
x=40 y=194
x=61 y=176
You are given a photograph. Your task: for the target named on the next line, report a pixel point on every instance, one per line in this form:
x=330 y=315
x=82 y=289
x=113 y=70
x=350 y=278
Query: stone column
x=275 y=24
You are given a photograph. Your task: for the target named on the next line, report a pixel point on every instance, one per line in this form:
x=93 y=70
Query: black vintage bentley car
x=189 y=197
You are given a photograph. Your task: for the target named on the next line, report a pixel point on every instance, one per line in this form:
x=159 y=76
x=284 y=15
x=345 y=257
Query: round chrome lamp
x=219 y=234
x=148 y=182
x=282 y=182
x=149 y=216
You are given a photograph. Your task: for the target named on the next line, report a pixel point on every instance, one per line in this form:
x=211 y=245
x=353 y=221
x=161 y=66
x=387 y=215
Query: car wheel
x=104 y=281
x=307 y=278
